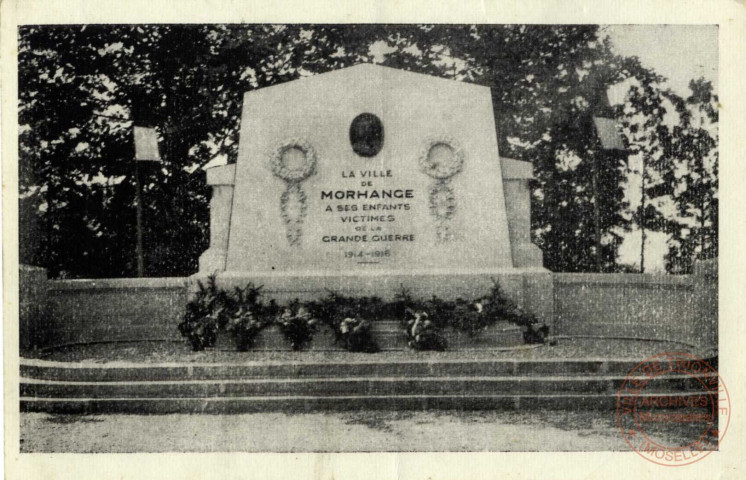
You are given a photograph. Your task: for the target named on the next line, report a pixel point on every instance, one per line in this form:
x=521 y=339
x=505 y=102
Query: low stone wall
x=643 y=306
x=654 y=307
x=32 y=305
x=111 y=310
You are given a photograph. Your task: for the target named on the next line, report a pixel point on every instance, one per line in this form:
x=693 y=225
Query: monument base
x=212 y=260
x=529 y=288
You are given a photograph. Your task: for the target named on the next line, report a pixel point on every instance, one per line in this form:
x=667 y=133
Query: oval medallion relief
x=366 y=135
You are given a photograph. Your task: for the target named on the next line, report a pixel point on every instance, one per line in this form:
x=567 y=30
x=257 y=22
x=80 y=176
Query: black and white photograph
x=370 y=237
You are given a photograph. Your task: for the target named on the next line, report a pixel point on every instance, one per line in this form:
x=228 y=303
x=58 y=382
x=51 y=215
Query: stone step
x=356 y=386
x=85 y=371
x=297 y=404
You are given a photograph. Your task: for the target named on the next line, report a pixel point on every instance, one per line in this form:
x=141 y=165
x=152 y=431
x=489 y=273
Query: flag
x=608 y=133
x=146 y=144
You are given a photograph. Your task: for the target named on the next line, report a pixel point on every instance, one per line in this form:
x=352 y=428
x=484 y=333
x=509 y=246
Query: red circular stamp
x=673 y=409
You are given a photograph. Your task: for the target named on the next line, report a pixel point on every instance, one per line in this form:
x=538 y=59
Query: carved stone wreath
x=293 y=201
x=443 y=170
x=293 y=207
x=290 y=174
x=442 y=201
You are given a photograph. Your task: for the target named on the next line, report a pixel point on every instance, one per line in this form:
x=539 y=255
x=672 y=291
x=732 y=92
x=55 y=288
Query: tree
x=82 y=88
x=648 y=137
x=695 y=180
x=547 y=84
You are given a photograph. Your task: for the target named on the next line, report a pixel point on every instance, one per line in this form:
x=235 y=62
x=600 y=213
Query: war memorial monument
x=368 y=178
x=362 y=182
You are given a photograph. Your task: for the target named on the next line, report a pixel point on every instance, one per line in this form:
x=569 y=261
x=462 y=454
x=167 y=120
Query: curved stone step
x=351 y=386
x=296 y=404
x=85 y=371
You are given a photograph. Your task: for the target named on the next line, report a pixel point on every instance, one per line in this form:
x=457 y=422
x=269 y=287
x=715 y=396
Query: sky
x=680 y=53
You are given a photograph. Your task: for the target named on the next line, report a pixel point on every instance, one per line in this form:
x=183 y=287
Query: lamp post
x=146 y=150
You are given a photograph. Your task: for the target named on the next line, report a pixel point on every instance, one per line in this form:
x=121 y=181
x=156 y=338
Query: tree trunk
x=596 y=216
x=642 y=218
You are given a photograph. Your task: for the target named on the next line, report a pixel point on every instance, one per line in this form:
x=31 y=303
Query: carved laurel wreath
x=442 y=199
x=293 y=201
x=443 y=170
x=297 y=174
x=293 y=206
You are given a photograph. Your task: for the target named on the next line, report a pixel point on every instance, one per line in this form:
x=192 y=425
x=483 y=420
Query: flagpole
x=139 y=247
x=146 y=150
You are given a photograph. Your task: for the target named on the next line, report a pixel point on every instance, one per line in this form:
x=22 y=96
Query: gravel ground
x=329 y=432
x=159 y=352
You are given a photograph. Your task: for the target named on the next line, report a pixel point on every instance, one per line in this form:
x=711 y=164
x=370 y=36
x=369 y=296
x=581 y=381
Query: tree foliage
x=82 y=88
x=694 y=176
x=672 y=146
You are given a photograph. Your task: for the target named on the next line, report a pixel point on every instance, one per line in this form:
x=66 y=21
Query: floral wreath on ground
x=422 y=333
x=297 y=326
x=355 y=334
x=213 y=310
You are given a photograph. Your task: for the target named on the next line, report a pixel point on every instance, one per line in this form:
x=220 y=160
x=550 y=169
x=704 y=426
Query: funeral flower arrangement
x=422 y=333
x=343 y=315
x=497 y=306
x=535 y=332
x=471 y=318
x=203 y=316
x=297 y=325
x=213 y=310
x=242 y=315
x=199 y=327
x=475 y=317
x=423 y=329
x=244 y=321
x=356 y=336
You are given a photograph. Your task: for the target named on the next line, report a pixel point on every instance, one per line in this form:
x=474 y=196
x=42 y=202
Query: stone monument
x=368 y=178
